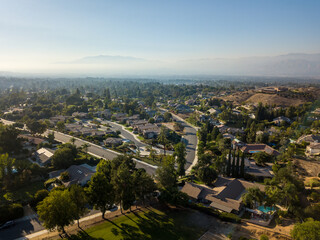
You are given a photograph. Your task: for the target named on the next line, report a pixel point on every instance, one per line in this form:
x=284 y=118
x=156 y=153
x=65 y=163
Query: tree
x=242 y=166
x=36 y=126
x=207 y=174
x=85 y=147
x=62 y=158
x=57 y=210
x=180 y=153
x=9 y=140
x=167 y=116
x=308 y=230
x=152 y=153
x=253 y=196
x=228 y=171
x=122 y=181
x=166 y=174
x=6 y=167
x=237 y=165
x=177 y=126
x=51 y=137
x=233 y=171
x=100 y=191
x=72 y=140
x=162 y=138
x=261 y=157
x=60 y=126
x=65 y=176
x=143 y=184
x=78 y=197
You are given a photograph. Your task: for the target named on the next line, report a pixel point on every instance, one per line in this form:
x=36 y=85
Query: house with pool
x=226 y=196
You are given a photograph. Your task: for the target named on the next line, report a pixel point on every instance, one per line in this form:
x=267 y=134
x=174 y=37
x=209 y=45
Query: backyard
x=152 y=224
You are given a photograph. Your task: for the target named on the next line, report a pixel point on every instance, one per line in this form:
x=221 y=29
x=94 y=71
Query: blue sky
x=41 y=32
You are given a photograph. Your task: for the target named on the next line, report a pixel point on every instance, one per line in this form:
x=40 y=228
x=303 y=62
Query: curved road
x=190 y=138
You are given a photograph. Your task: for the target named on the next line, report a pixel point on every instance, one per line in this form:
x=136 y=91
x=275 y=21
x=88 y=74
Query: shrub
x=228 y=217
x=50 y=181
x=264 y=237
x=38 y=197
x=64 y=176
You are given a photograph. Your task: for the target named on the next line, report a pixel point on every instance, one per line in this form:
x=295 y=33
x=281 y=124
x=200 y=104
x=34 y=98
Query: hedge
x=228 y=217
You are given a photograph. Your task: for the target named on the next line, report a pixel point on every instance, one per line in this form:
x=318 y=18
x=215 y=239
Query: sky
x=48 y=35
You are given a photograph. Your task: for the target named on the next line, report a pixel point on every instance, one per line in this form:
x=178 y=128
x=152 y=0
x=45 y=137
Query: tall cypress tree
x=228 y=172
x=242 y=166
x=237 y=166
x=234 y=164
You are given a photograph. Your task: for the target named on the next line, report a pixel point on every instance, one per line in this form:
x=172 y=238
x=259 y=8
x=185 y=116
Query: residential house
x=228 y=135
x=120 y=117
x=106 y=114
x=237 y=144
x=311 y=138
x=279 y=120
x=159 y=119
x=43 y=156
x=180 y=108
x=255 y=148
x=313 y=149
x=226 y=195
x=31 y=140
x=112 y=142
x=214 y=111
x=190 y=102
x=80 y=115
x=79 y=174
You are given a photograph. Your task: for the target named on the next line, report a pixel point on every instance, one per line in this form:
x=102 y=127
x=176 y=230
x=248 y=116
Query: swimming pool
x=266 y=209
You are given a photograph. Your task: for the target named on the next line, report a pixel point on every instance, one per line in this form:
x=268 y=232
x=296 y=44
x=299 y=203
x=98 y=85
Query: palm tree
x=162 y=138
x=253 y=196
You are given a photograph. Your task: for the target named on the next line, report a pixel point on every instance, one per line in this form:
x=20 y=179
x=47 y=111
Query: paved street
x=22 y=227
x=101 y=152
x=131 y=136
x=190 y=139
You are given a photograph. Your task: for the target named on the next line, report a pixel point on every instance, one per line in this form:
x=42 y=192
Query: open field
x=272 y=99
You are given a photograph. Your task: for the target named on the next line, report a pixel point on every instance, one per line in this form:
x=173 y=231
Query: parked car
x=7 y=225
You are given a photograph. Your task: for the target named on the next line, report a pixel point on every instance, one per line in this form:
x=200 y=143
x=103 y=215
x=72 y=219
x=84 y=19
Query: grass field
x=153 y=224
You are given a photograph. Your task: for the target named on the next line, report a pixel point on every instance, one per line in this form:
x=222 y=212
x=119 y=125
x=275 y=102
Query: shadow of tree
x=83 y=236
x=149 y=225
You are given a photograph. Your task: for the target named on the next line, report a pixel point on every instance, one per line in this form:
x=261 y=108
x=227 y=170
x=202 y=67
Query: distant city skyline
x=42 y=36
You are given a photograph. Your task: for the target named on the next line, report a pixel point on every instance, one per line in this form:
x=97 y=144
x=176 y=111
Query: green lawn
x=25 y=193
x=152 y=224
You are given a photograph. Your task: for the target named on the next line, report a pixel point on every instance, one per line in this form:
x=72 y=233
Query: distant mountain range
x=105 y=59
x=295 y=64
x=289 y=65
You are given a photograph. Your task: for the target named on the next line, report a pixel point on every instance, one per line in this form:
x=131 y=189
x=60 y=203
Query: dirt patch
x=238 y=97
x=307 y=168
x=169 y=125
x=273 y=99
